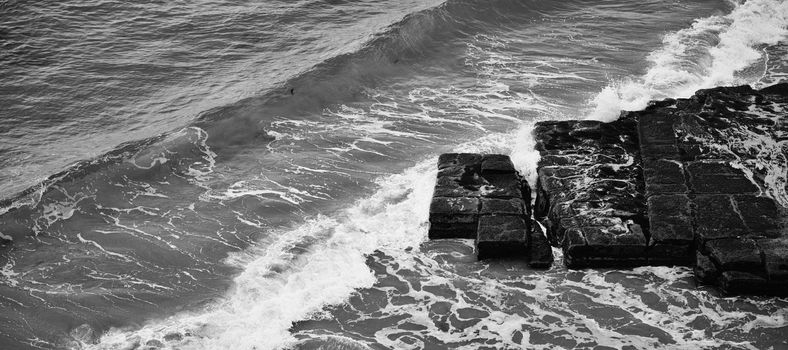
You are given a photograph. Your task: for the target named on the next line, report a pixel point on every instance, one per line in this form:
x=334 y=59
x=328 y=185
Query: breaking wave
x=714 y=51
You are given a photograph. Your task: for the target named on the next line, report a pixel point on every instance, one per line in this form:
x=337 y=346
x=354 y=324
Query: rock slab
x=482 y=197
x=590 y=191
x=701 y=181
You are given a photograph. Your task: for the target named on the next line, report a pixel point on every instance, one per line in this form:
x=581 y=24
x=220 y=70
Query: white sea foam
x=317 y=264
x=311 y=266
x=323 y=261
x=714 y=51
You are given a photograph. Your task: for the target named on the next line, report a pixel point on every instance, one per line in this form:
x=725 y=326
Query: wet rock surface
x=590 y=192
x=690 y=181
x=700 y=182
x=482 y=197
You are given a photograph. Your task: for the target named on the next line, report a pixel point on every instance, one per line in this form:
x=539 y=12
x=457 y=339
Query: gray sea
x=229 y=174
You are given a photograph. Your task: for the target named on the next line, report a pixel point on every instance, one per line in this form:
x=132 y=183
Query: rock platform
x=699 y=181
x=482 y=197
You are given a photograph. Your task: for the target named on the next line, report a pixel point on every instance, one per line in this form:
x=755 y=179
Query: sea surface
x=229 y=174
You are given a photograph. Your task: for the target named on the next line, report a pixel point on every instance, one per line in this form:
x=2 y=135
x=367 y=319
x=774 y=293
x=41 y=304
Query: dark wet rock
x=724 y=142
x=501 y=186
x=716 y=217
x=513 y=206
x=482 y=197
x=761 y=215
x=496 y=164
x=454 y=217
x=738 y=282
x=670 y=254
x=719 y=177
x=590 y=192
x=741 y=254
x=459 y=159
x=502 y=236
x=670 y=219
x=698 y=181
x=461 y=185
x=775 y=254
x=540 y=254
x=663 y=176
x=705 y=174
x=671 y=232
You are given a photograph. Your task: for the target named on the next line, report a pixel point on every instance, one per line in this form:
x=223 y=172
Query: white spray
x=714 y=51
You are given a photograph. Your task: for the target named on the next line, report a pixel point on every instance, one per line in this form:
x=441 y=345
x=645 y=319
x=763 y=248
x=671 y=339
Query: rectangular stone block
x=590 y=191
x=660 y=151
x=554 y=222
x=496 y=164
x=657 y=128
x=496 y=206
x=592 y=220
x=761 y=215
x=738 y=282
x=624 y=207
x=449 y=205
x=605 y=246
x=453 y=217
x=715 y=217
x=663 y=177
x=628 y=234
x=541 y=253
x=670 y=219
x=718 y=177
x=501 y=236
x=705 y=270
x=615 y=193
x=574 y=246
x=736 y=254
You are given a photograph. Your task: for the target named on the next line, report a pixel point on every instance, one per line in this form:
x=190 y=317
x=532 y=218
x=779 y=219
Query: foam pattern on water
x=306 y=268
x=442 y=297
x=298 y=189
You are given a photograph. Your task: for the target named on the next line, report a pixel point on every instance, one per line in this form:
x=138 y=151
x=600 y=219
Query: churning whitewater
x=226 y=175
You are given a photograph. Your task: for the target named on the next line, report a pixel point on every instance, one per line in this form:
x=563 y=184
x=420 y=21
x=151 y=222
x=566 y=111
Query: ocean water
x=257 y=175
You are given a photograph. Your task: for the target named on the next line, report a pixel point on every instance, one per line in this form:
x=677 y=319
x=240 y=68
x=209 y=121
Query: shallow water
x=257 y=175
